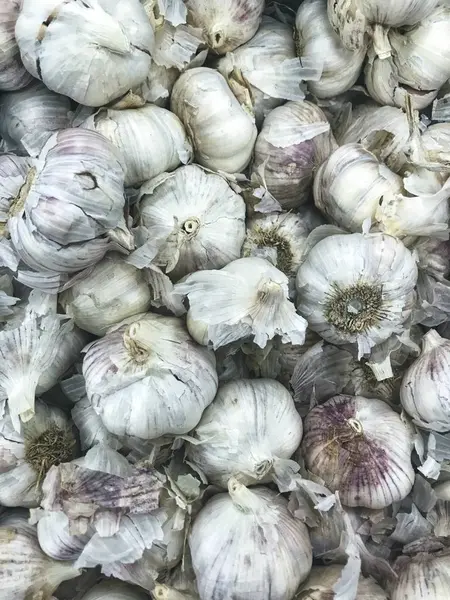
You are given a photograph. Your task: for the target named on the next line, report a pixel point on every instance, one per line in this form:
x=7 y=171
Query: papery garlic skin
x=53 y=530
x=13 y=76
x=264 y=552
x=58 y=39
x=357 y=288
x=425 y=389
x=322 y=580
x=425 y=576
x=226 y=24
x=361 y=448
x=249 y=425
x=222 y=132
x=151 y=139
x=114 y=590
x=13 y=172
x=148 y=378
x=114 y=290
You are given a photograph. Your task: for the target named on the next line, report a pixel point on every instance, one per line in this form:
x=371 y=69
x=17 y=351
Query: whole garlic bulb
x=112 y=39
x=190 y=219
x=323 y=580
x=357 y=289
x=424 y=576
x=114 y=590
x=361 y=448
x=265 y=553
x=226 y=24
x=317 y=41
x=13 y=76
x=425 y=387
x=221 y=130
x=53 y=530
x=249 y=425
x=151 y=139
x=148 y=378
x=111 y=292
x=294 y=141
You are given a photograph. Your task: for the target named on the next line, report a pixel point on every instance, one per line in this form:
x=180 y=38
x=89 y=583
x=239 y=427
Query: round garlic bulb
x=148 y=378
x=361 y=448
x=356 y=288
x=246 y=544
x=294 y=141
x=250 y=424
x=321 y=583
x=425 y=389
x=13 y=75
x=114 y=590
x=111 y=292
x=53 y=529
x=425 y=576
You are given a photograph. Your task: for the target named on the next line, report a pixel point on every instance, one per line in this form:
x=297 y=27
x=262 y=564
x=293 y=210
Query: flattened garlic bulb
x=221 y=130
x=246 y=544
x=425 y=576
x=361 y=448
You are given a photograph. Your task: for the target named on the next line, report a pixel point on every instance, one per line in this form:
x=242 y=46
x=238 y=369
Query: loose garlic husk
x=265 y=553
x=425 y=387
x=361 y=448
x=249 y=425
x=7 y=300
x=317 y=41
x=295 y=139
x=221 y=130
x=114 y=590
x=147 y=378
x=322 y=582
x=113 y=291
x=188 y=220
x=249 y=298
x=226 y=24
x=13 y=76
x=151 y=139
x=424 y=576
x=357 y=289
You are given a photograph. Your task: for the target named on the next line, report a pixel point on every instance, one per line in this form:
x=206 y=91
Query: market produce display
x=224 y=300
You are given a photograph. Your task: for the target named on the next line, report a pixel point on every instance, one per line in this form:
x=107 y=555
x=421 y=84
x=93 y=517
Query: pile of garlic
x=224 y=300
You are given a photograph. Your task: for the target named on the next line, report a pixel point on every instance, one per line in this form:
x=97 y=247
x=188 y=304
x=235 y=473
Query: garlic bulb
x=58 y=39
x=265 y=553
x=151 y=139
x=114 y=590
x=148 y=378
x=357 y=289
x=221 y=130
x=424 y=576
x=248 y=297
x=361 y=448
x=317 y=41
x=426 y=385
x=111 y=292
x=53 y=530
x=189 y=220
x=249 y=425
x=13 y=76
x=322 y=582
x=29 y=117
x=226 y=24
x=25 y=571
x=295 y=139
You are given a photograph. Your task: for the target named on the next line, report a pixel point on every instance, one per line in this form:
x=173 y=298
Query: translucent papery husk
x=151 y=140
x=361 y=448
x=433 y=287
x=357 y=289
x=441 y=106
x=221 y=130
x=29 y=117
x=317 y=41
x=26 y=572
x=322 y=582
x=187 y=221
x=433 y=150
x=177 y=47
x=157 y=87
x=7 y=300
x=114 y=42
x=425 y=575
x=13 y=173
x=294 y=141
x=114 y=590
x=226 y=24
x=150 y=370
x=14 y=76
x=247 y=298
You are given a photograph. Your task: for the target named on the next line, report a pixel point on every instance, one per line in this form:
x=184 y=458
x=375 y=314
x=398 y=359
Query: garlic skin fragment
x=361 y=448
x=58 y=39
x=226 y=24
x=265 y=553
x=221 y=130
x=425 y=389
x=114 y=590
x=148 y=378
x=322 y=581
x=13 y=76
x=151 y=140
x=13 y=173
x=113 y=291
x=249 y=425
x=425 y=576
x=357 y=289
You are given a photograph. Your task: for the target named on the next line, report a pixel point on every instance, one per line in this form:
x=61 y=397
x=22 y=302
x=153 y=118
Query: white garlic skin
x=222 y=132
x=322 y=580
x=249 y=424
x=361 y=448
x=112 y=292
x=55 y=539
x=425 y=389
x=246 y=544
x=13 y=75
x=226 y=24
x=114 y=590
x=423 y=577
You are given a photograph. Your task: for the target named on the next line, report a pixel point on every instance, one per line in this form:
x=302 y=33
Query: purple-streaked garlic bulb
x=425 y=576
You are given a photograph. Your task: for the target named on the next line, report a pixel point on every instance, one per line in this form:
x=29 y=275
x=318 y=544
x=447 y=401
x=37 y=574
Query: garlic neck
x=381 y=43
x=432 y=340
